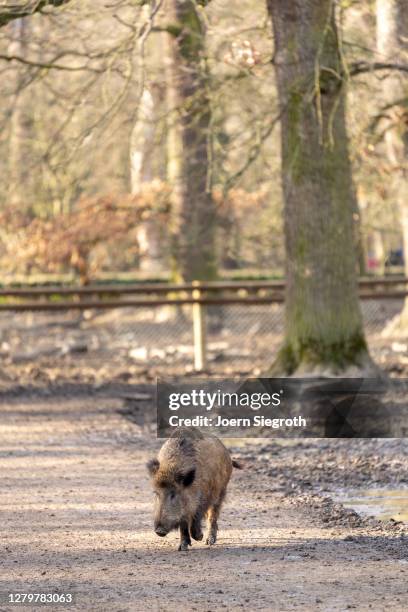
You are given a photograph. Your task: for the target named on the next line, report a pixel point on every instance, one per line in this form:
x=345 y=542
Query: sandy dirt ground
x=76 y=505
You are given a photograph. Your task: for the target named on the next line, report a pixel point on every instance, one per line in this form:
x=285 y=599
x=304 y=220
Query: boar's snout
x=160 y=530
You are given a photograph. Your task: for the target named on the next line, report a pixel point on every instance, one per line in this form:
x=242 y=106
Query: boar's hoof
x=212 y=538
x=183 y=546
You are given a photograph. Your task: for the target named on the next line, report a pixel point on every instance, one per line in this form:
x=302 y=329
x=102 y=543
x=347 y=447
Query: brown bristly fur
x=190 y=478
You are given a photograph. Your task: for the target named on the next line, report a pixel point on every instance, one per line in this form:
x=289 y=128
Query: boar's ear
x=152 y=466
x=187 y=478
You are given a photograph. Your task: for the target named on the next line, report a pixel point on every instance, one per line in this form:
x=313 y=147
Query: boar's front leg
x=185 y=540
x=196 y=529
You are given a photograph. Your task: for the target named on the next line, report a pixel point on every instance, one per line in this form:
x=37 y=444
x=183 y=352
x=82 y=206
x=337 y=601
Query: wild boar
x=190 y=478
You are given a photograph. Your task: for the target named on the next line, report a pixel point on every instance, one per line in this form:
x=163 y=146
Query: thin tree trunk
x=392 y=46
x=189 y=119
x=324 y=329
x=142 y=171
x=142 y=142
x=18 y=160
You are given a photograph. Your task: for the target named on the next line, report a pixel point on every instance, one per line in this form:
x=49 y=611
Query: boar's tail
x=237 y=465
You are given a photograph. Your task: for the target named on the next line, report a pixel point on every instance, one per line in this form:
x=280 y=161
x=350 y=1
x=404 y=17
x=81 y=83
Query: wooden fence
x=197 y=294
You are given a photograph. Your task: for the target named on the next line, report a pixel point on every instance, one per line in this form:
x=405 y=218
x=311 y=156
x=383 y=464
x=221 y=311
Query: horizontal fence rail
x=105 y=294
x=106 y=304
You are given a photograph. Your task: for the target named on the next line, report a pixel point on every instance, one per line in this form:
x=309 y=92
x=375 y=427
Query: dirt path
x=76 y=515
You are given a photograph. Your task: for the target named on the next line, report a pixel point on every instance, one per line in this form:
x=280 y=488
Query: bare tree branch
x=16 y=11
x=45 y=65
x=362 y=67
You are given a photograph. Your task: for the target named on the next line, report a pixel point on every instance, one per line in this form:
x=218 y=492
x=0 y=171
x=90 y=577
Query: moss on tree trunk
x=324 y=329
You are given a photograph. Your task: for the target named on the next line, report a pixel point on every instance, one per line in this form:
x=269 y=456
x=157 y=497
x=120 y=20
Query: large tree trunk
x=189 y=118
x=392 y=46
x=324 y=329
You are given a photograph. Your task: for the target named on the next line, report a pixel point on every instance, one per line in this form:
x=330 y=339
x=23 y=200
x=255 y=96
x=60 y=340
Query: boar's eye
x=186 y=479
x=172 y=495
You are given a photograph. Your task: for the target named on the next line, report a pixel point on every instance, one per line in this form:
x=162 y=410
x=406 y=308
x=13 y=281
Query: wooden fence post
x=199 y=330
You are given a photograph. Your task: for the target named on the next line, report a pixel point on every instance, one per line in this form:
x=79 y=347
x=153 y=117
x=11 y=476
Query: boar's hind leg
x=185 y=541
x=212 y=517
x=212 y=525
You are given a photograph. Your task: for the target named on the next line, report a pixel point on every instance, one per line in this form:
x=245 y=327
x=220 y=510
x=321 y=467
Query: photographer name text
x=222 y=421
